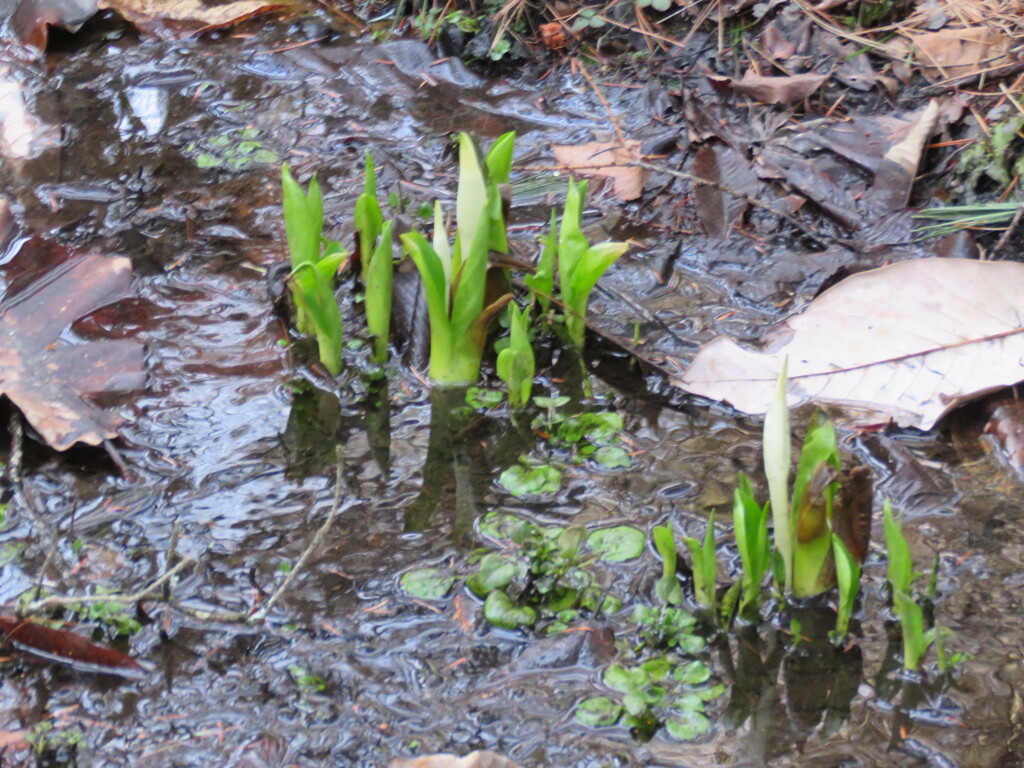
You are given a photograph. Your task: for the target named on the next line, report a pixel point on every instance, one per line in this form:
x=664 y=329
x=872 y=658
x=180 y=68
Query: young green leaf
x=368 y=218
x=501 y=611
x=515 y=363
x=542 y=282
x=777 y=457
x=848 y=578
x=378 y=295
x=750 y=522
x=901 y=567
x=704 y=565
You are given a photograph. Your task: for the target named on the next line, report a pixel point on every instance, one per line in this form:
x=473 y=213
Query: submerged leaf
x=64 y=647
x=49 y=377
x=606 y=159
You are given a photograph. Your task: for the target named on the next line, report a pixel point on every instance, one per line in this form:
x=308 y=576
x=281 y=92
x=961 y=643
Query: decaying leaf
x=64 y=647
x=897 y=169
x=717 y=209
x=479 y=759
x=778 y=90
x=43 y=369
x=162 y=16
x=952 y=53
x=30 y=19
x=907 y=343
x=607 y=160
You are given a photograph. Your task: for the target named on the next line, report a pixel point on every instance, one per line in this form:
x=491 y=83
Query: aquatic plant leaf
x=598 y=711
x=521 y=480
x=478 y=759
x=64 y=647
x=687 y=725
x=618 y=543
x=501 y=611
x=427 y=583
x=609 y=160
x=904 y=343
x=45 y=374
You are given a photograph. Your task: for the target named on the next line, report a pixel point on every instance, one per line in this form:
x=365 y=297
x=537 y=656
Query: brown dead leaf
x=717 y=209
x=953 y=53
x=30 y=19
x=43 y=369
x=894 y=178
x=778 y=90
x=64 y=647
x=907 y=343
x=163 y=16
x=13 y=739
x=606 y=160
x=479 y=759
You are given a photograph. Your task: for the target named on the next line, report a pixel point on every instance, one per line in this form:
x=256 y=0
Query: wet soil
x=226 y=448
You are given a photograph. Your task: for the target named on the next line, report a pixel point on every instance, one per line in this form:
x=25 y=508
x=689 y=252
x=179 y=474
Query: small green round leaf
x=598 y=711
x=693 y=673
x=502 y=612
x=622 y=542
x=612 y=456
x=687 y=725
x=521 y=480
x=427 y=583
x=496 y=572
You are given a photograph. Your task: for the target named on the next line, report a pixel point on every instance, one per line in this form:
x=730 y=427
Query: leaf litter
x=48 y=372
x=907 y=343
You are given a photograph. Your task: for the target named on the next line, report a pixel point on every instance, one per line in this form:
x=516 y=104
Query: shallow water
x=223 y=446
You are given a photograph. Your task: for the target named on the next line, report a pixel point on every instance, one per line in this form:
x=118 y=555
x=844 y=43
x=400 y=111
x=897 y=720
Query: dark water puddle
x=351 y=671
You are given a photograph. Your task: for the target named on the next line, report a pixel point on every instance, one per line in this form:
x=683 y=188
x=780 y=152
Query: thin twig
x=1009 y=230
x=318 y=537
x=69 y=600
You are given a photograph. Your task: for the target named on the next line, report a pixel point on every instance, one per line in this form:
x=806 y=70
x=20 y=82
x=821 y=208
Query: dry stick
x=639 y=162
x=1009 y=230
x=134 y=597
x=318 y=537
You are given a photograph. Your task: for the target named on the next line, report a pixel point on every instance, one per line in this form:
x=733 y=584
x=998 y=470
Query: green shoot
x=375 y=262
x=314 y=263
x=542 y=282
x=704 y=566
x=777 y=457
x=915 y=639
x=814 y=494
x=368 y=218
x=848 y=578
x=900 y=571
x=454 y=278
x=580 y=265
x=750 y=522
x=516 y=363
x=667 y=589
x=378 y=295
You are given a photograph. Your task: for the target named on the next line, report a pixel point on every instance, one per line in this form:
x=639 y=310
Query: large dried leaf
x=952 y=53
x=161 y=16
x=907 y=342
x=605 y=159
x=44 y=370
